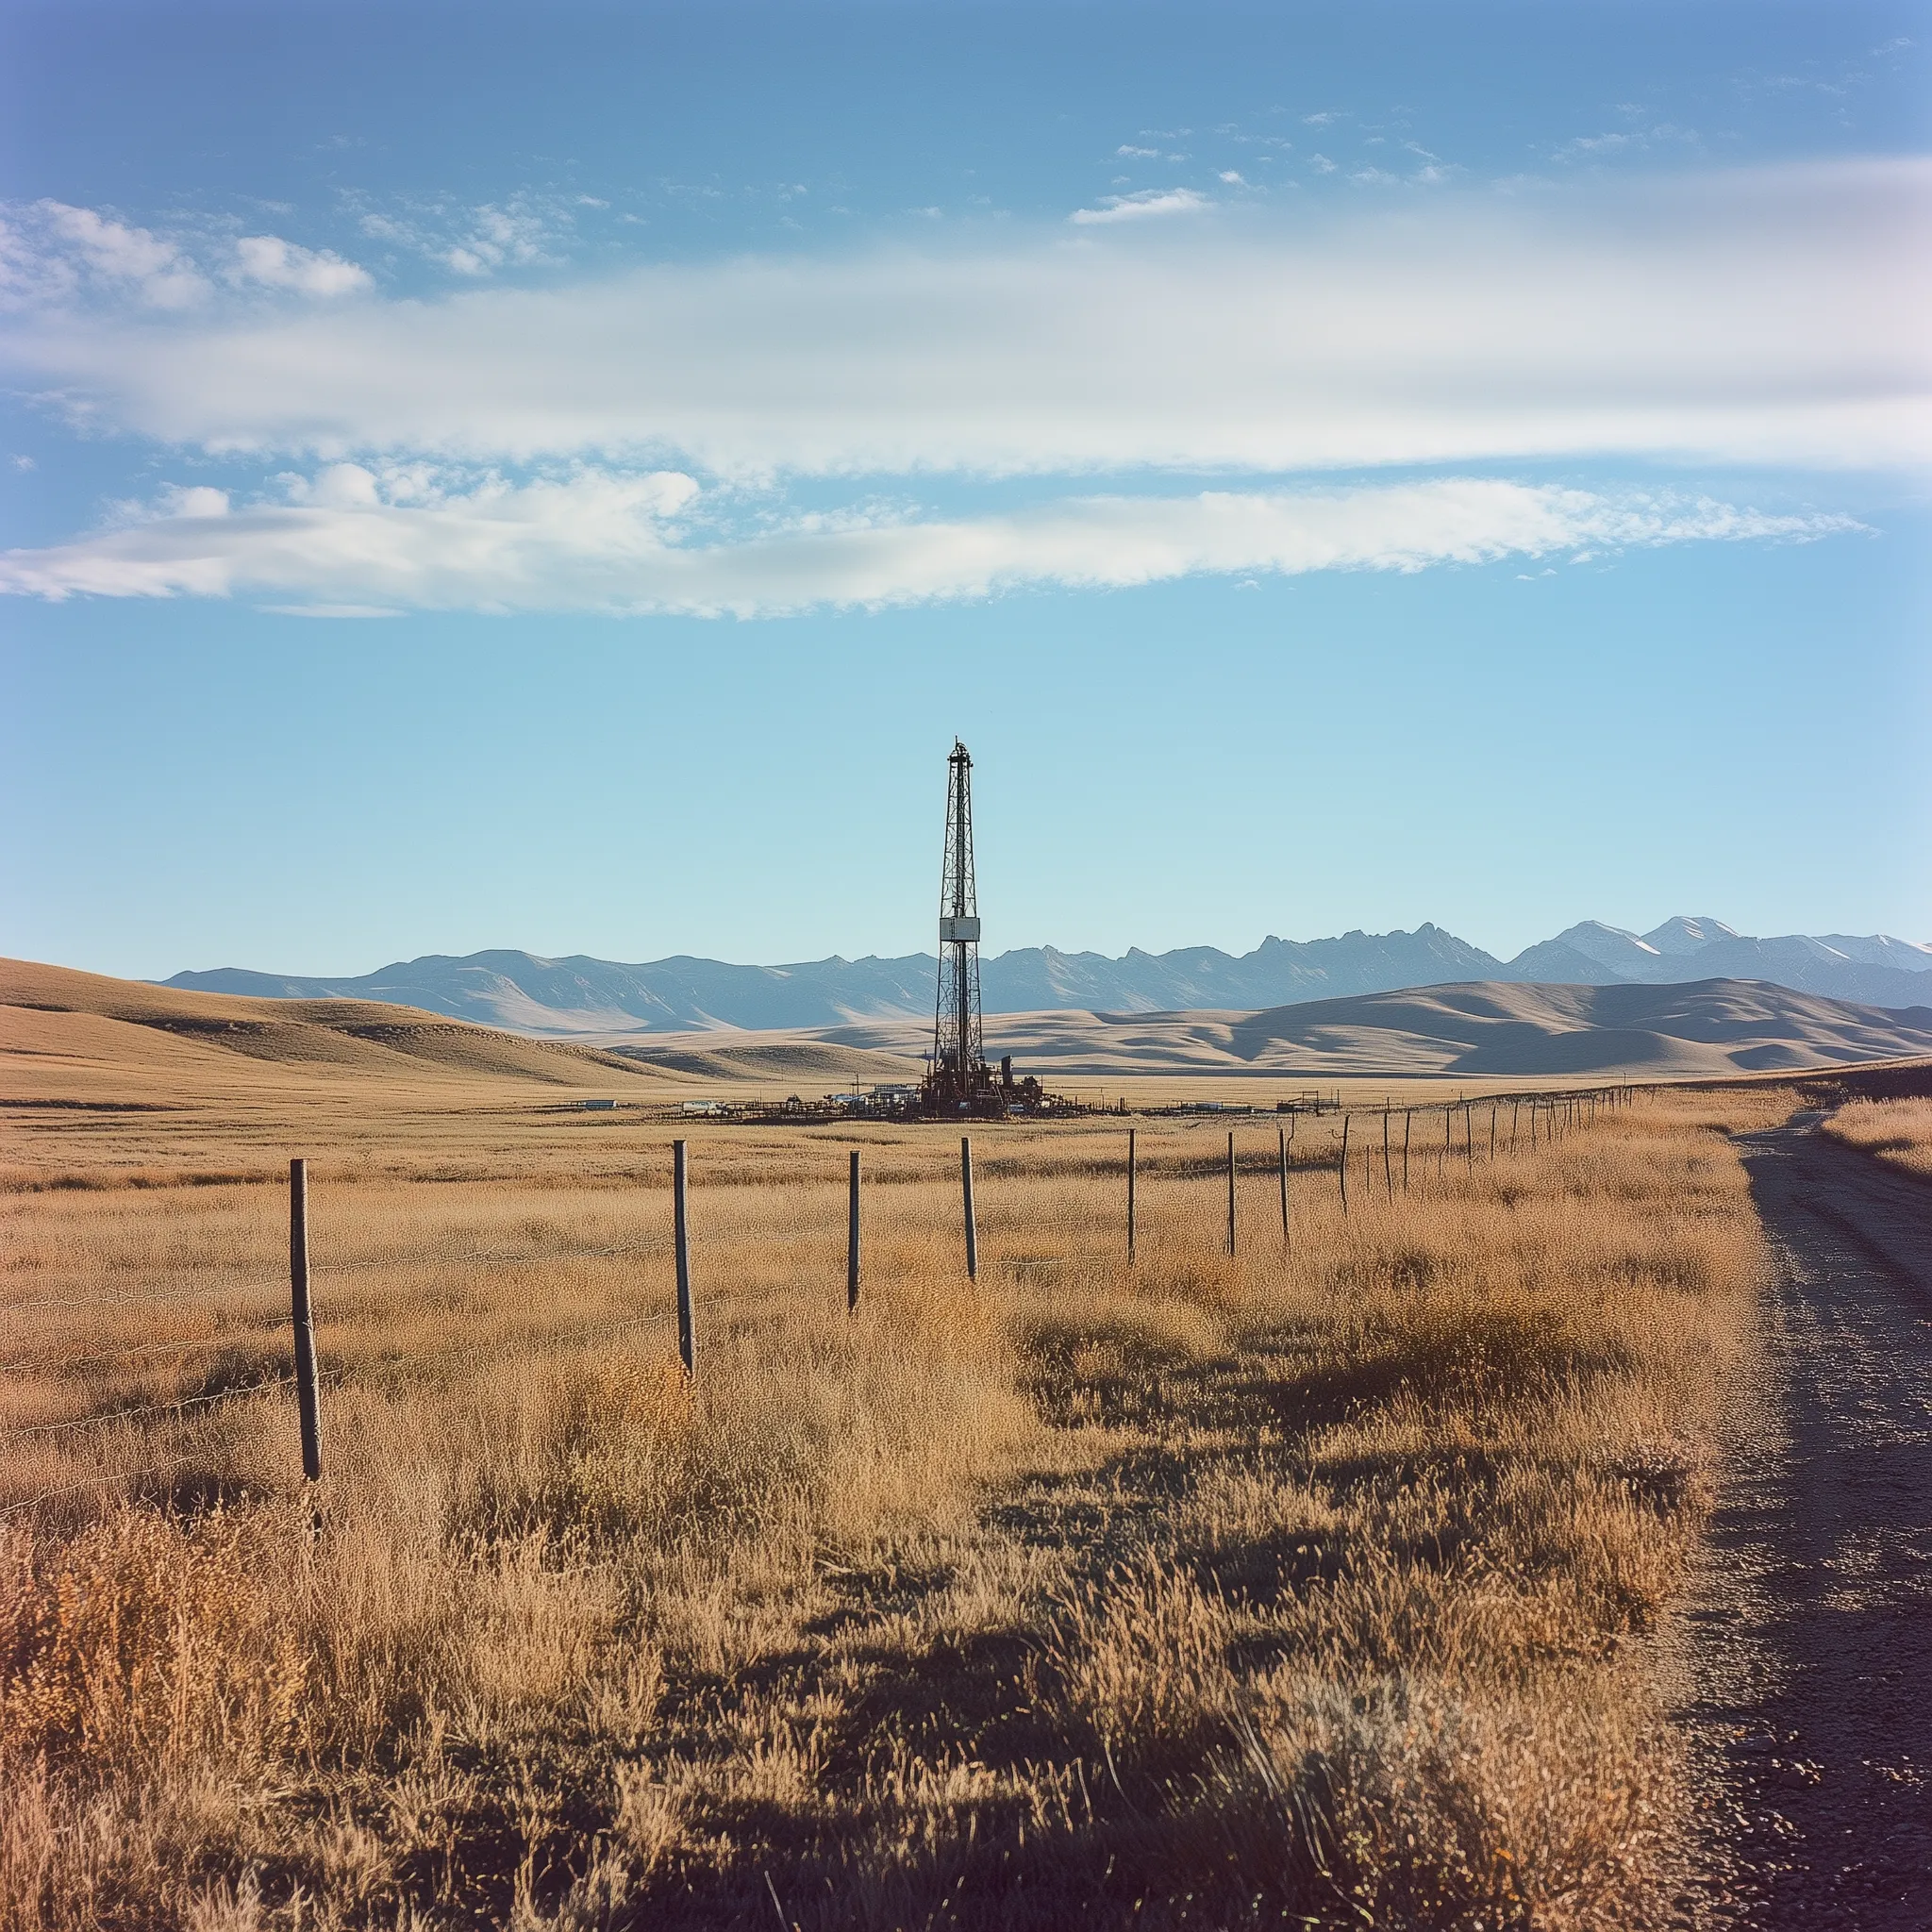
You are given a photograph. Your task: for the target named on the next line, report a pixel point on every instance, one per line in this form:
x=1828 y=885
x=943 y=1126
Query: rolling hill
x=65 y=1032
x=1480 y=1031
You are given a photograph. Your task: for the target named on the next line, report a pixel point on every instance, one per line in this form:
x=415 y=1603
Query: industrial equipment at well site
x=960 y=1081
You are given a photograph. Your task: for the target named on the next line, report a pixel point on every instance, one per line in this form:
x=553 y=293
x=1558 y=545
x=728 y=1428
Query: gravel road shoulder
x=1802 y=1666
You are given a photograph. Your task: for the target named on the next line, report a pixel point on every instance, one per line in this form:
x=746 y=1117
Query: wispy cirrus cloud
x=353 y=540
x=1619 y=142
x=1767 y=318
x=1138 y=207
x=524 y=231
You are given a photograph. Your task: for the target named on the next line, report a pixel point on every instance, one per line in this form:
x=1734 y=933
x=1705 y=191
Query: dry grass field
x=1308 y=1585
x=1898 y=1132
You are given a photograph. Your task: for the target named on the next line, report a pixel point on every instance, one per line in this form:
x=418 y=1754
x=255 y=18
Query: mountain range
x=585 y=997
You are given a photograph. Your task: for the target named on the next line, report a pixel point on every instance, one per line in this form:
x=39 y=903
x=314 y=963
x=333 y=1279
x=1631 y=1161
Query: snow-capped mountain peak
x=1681 y=935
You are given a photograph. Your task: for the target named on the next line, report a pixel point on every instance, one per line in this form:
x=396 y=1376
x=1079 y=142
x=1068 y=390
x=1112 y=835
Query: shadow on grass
x=954 y=1784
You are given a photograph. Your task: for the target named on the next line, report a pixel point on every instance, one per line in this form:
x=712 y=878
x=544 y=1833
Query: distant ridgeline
x=583 y=995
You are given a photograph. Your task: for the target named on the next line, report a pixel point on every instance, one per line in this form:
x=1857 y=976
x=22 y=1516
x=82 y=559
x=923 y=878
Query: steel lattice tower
x=957 y=1062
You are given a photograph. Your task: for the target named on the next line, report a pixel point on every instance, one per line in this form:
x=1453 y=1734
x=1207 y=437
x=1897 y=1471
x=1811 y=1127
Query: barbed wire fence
x=1535 y=1123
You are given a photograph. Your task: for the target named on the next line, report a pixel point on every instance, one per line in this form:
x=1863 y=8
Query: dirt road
x=1807 y=1651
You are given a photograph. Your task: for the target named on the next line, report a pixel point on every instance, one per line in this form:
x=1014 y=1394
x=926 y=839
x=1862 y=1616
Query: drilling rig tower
x=960 y=1081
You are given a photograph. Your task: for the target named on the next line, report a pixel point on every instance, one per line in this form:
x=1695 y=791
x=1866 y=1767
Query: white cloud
x=157 y=268
x=1149 y=200
x=277 y=264
x=194 y=499
x=624 y=543
x=1755 y=318
x=51 y=253
x=499 y=238
x=1232 y=178
x=331 y=611
x=1142 y=153
x=476 y=242
x=54 y=256
x=1597 y=147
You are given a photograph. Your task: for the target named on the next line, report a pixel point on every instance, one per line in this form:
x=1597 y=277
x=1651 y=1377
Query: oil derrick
x=958 y=1064
x=959 y=1080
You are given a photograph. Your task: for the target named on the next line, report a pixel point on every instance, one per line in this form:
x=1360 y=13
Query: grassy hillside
x=50 y=1015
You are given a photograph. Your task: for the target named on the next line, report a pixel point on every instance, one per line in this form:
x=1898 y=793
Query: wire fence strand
x=181 y=1345
x=104 y=1418
x=324 y=1269
x=95 y=1482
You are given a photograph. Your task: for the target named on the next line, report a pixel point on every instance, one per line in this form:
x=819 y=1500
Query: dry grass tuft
x=146 y=1642
x=1405 y=1805
x=1898 y=1132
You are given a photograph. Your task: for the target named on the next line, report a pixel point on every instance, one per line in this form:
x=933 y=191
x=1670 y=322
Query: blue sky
x=561 y=477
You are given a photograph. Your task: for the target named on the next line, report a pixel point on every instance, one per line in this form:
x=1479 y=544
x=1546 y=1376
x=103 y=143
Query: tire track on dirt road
x=1805 y=1661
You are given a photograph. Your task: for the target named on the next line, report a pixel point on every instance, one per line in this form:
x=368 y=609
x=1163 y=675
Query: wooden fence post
x=1130 y=1195
x=1230 y=1192
x=966 y=1191
x=1469 y=1136
x=302 y=1320
x=687 y=1337
x=1408 y=1122
x=1388 y=1167
x=1281 y=1145
x=1342 y=1164
x=852 y=1238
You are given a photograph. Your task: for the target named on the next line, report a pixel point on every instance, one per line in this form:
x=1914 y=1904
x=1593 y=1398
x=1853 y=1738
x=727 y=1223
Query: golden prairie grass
x=1898 y=1132
x=1302 y=1587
